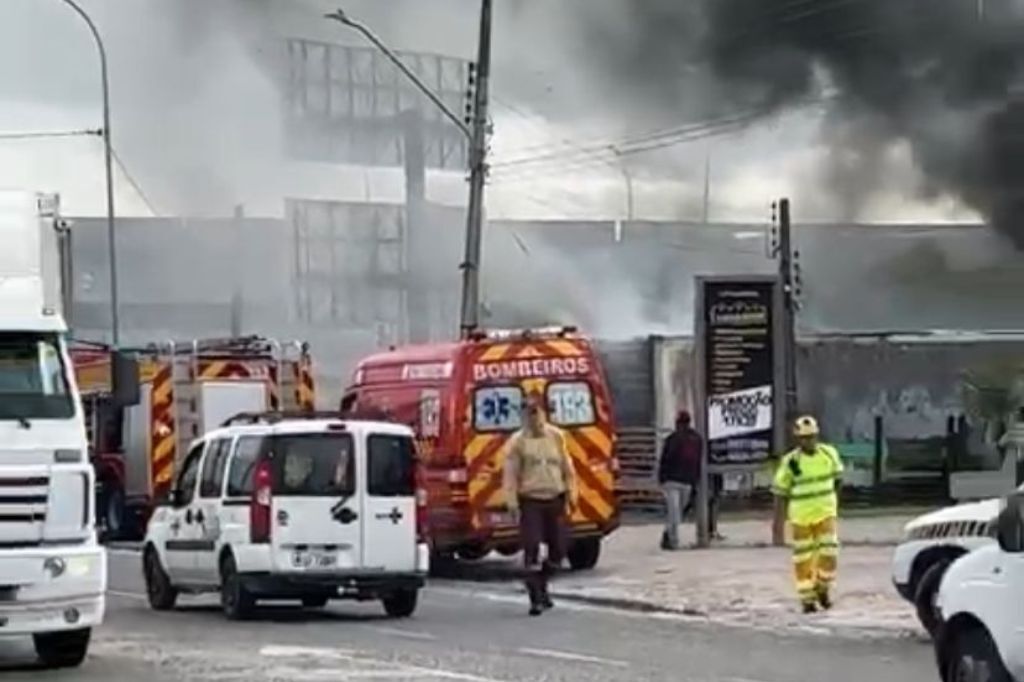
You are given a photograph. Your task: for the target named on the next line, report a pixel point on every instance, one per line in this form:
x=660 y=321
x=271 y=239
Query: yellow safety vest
x=811 y=493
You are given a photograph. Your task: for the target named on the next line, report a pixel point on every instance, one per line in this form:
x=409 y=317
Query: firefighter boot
x=810 y=607
x=536 y=591
x=546 y=571
x=824 y=598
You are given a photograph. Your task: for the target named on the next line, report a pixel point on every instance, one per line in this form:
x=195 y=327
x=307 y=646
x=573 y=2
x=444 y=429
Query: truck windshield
x=33 y=377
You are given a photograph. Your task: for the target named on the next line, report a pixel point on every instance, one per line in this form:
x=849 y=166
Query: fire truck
x=463 y=400
x=185 y=389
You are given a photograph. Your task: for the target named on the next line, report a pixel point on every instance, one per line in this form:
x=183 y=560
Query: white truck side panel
x=221 y=400
x=29 y=265
x=137 y=445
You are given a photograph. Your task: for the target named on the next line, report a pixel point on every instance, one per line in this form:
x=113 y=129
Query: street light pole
x=477 y=136
x=115 y=325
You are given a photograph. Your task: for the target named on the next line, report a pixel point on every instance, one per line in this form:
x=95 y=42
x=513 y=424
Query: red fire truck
x=185 y=389
x=463 y=399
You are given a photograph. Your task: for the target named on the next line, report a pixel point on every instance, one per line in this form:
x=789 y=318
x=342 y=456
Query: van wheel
x=401 y=603
x=507 y=550
x=314 y=601
x=974 y=658
x=238 y=602
x=926 y=593
x=62 y=649
x=584 y=553
x=161 y=594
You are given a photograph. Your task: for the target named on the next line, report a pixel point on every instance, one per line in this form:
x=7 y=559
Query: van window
x=391 y=462
x=189 y=476
x=570 y=403
x=313 y=464
x=497 y=408
x=243 y=465
x=212 y=481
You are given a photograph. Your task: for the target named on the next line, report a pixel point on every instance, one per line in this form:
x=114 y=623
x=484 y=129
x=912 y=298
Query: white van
x=981 y=601
x=309 y=509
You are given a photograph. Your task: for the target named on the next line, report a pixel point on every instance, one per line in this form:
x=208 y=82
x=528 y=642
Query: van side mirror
x=1010 y=524
x=124 y=379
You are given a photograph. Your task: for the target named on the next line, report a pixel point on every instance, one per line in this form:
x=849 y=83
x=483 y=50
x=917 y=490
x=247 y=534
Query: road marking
x=574 y=657
x=402 y=669
x=127 y=595
x=121 y=551
x=399 y=632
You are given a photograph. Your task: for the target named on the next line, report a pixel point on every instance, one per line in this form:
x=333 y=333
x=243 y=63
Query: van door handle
x=345 y=516
x=188 y=516
x=200 y=517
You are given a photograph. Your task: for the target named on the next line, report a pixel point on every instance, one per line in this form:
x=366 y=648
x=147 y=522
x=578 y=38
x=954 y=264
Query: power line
x=42 y=134
x=132 y=181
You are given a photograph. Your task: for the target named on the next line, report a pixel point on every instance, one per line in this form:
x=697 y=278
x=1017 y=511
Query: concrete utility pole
x=786 y=272
x=115 y=324
x=470 y=317
x=419 y=285
x=477 y=133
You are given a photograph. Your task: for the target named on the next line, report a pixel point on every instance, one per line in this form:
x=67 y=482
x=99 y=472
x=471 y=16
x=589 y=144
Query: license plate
x=304 y=559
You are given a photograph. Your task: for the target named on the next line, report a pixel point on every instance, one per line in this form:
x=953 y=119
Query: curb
x=696 y=615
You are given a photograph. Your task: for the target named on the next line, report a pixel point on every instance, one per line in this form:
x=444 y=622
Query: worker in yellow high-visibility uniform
x=805 y=487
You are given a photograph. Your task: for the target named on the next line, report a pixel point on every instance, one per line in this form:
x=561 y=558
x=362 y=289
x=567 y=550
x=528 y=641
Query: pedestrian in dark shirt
x=678 y=473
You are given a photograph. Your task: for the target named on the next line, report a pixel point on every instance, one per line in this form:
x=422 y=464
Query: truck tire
x=236 y=601
x=473 y=552
x=114 y=515
x=925 y=594
x=62 y=649
x=401 y=603
x=584 y=553
x=973 y=656
x=161 y=594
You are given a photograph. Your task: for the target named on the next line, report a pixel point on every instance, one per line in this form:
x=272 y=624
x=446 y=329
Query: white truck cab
x=981 y=600
x=307 y=508
x=53 y=572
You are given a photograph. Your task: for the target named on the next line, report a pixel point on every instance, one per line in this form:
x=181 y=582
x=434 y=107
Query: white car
x=307 y=509
x=934 y=541
x=981 y=601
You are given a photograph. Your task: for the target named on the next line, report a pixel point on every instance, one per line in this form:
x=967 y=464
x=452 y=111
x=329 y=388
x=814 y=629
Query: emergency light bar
x=536 y=333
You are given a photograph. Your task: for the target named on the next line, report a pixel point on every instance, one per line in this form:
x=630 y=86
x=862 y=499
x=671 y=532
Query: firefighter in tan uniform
x=805 y=486
x=540 y=489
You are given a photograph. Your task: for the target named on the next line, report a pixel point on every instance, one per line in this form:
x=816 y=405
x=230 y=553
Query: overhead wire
x=43 y=134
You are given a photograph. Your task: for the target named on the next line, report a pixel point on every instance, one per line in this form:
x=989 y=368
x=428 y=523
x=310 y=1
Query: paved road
x=463 y=633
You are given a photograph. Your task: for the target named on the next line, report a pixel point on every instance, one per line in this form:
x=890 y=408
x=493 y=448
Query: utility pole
x=419 y=282
x=237 y=299
x=786 y=276
x=469 y=319
x=476 y=133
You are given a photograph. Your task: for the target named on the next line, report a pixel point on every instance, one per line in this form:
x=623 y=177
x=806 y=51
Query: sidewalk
x=745 y=581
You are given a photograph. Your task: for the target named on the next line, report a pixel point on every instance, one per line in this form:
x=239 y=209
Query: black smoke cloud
x=944 y=76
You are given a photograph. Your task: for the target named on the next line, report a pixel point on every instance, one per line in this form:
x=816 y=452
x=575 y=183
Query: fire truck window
x=497 y=408
x=247 y=453
x=213 y=468
x=189 y=475
x=570 y=403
